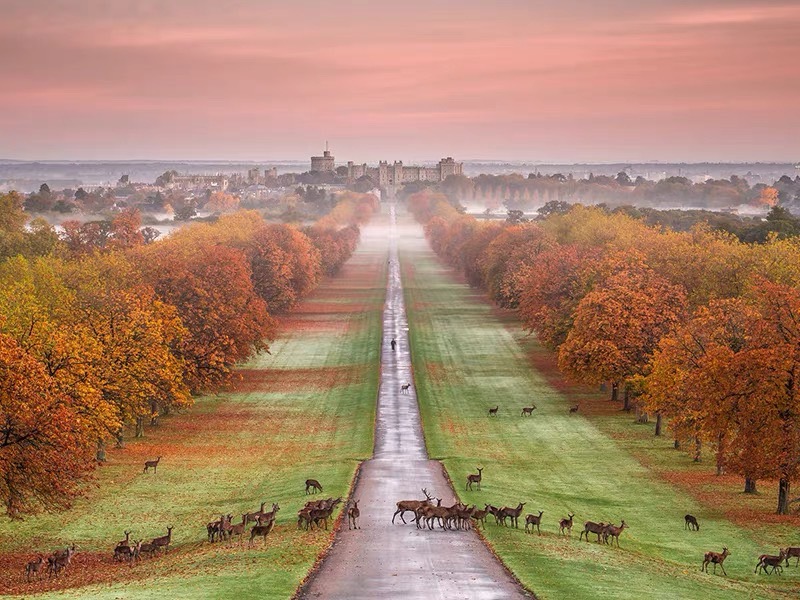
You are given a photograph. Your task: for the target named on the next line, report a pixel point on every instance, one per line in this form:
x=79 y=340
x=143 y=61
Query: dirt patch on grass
x=291 y=380
x=438 y=373
x=86 y=568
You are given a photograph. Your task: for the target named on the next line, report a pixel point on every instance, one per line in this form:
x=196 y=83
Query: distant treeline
x=517 y=192
x=101 y=330
x=693 y=326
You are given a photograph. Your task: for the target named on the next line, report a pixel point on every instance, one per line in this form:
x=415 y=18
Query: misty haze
x=357 y=301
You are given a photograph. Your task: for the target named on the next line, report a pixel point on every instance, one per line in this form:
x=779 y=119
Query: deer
x=260 y=531
x=574 y=408
x=313 y=485
x=474 y=479
x=237 y=530
x=151 y=464
x=423 y=511
x=464 y=517
x=527 y=411
x=144 y=548
x=322 y=513
x=613 y=532
x=532 y=520
x=690 y=523
x=213 y=528
x=792 y=552
x=34 y=568
x=493 y=411
x=768 y=560
x=60 y=560
x=352 y=515
x=480 y=515
x=442 y=513
x=405 y=506
x=263 y=518
x=715 y=558
x=566 y=524
x=163 y=541
x=225 y=527
x=123 y=548
x=592 y=527
x=136 y=551
x=253 y=516
x=405 y=387
x=512 y=513
x=495 y=512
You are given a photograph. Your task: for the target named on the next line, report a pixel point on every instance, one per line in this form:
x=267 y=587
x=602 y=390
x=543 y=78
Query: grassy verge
x=466 y=360
x=306 y=410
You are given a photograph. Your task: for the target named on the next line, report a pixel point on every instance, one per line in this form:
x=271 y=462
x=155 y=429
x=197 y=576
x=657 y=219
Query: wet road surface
x=382 y=560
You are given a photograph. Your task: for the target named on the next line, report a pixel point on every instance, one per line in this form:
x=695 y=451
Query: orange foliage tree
x=210 y=286
x=618 y=325
x=46 y=448
x=285 y=266
x=729 y=376
x=222 y=202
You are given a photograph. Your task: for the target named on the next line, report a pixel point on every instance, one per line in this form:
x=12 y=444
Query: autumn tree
x=222 y=202
x=508 y=261
x=210 y=286
x=619 y=324
x=550 y=293
x=136 y=332
x=44 y=450
x=730 y=374
x=285 y=266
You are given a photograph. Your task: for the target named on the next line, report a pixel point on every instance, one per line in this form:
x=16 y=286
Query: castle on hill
x=390 y=176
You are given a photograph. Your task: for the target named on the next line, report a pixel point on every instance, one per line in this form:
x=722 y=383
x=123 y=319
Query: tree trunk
x=626 y=400
x=698 y=448
x=677 y=443
x=720 y=455
x=658 y=424
x=139 y=427
x=101 y=451
x=784 y=487
x=749 y=485
x=614 y=391
x=120 y=437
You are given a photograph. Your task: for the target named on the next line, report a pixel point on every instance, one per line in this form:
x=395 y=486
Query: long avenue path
x=382 y=560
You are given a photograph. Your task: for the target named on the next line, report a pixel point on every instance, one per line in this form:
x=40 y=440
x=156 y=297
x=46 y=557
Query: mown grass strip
x=465 y=361
x=306 y=410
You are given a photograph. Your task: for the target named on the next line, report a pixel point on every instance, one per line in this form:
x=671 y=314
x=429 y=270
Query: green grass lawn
x=306 y=410
x=466 y=360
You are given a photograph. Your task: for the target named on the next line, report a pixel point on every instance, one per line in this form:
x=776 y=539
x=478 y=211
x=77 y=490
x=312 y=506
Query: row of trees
x=519 y=192
x=695 y=327
x=98 y=337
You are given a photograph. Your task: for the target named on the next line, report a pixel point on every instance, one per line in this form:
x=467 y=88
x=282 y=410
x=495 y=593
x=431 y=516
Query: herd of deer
x=225 y=529
x=427 y=514
x=430 y=512
x=527 y=411
x=53 y=565
x=125 y=552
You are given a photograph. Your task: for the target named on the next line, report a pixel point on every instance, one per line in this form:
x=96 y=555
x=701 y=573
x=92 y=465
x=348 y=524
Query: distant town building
x=325 y=162
x=390 y=176
x=218 y=182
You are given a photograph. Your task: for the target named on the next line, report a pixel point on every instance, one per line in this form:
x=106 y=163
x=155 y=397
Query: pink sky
x=507 y=79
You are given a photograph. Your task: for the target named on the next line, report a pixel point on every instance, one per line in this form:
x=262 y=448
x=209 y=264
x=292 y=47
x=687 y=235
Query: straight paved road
x=382 y=560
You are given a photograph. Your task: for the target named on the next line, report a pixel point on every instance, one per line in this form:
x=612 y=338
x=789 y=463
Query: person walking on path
x=394 y=344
